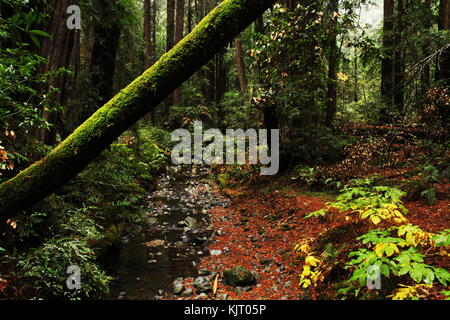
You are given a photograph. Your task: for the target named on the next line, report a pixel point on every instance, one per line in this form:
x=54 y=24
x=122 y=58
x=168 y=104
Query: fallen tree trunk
x=73 y=154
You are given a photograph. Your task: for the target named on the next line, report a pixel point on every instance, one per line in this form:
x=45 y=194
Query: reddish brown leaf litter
x=430 y=218
x=258 y=232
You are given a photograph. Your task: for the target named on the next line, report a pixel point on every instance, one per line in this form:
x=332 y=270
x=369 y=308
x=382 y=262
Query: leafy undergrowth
x=259 y=231
x=81 y=222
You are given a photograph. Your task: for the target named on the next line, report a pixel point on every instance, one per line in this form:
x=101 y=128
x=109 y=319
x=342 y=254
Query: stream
x=171 y=242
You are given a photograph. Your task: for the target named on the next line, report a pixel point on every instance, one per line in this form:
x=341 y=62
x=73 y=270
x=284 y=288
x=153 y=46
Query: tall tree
x=387 y=64
x=148 y=32
x=240 y=65
x=399 y=63
x=128 y=106
x=179 y=33
x=308 y=114
x=149 y=39
x=332 y=64
x=106 y=33
x=208 y=73
x=170 y=30
x=57 y=50
x=270 y=115
x=425 y=74
x=443 y=68
x=190 y=16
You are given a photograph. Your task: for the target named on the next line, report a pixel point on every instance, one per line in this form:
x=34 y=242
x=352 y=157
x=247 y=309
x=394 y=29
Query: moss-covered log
x=73 y=154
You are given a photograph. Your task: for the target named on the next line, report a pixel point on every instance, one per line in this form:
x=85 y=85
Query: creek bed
x=172 y=241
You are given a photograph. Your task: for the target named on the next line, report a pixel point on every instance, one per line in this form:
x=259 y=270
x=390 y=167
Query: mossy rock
x=239 y=277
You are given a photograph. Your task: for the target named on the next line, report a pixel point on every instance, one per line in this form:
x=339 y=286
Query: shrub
x=43 y=270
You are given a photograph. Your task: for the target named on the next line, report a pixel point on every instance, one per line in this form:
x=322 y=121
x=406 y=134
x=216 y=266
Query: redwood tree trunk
x=170 y=31
x=103 y=57
x=179 y=32
x=425 y=75
x=387 y=65
x=58 y=51
x=240 y=66
x=332 y=65
x=149 y=29
x=443 y=68
x=128 y=106
x=399 y=64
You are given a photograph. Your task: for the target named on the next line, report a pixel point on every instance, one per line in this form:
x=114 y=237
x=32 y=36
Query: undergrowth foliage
x=82 y=221
x=385 y=241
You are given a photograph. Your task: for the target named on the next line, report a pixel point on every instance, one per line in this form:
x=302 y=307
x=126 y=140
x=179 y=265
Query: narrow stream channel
x=145 y=266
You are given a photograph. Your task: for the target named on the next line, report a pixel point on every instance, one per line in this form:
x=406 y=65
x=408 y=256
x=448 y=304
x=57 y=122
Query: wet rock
x=202 y=285
x=222 y=296
x=177 y=287
x=187 y=293
x=239 y=276
x=215 y=252
x=152 y=221
x=203 y=272
x=199 y=240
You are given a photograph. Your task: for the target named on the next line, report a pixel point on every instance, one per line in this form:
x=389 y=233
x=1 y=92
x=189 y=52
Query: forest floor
x=260 y=227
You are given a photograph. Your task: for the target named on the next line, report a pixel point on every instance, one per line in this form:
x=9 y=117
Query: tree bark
x=128 y=106
x=387 y=64
x=332 y=65
x=170 y=31
x=57 y=50
x=149 y=45
x=399 y=64
x=220 y=79
x=103 y=57
x=425 y=75
x=189 y=16
x=179 y=32
x=240 y=66
x=270 y=116
x=443 y=68
x=148 y=28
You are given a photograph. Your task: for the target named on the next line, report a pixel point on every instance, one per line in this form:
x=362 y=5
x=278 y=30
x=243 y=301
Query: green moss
x=129 y=105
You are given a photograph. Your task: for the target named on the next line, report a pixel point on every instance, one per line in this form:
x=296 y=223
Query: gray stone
x=215 y=252
x=177 y=288
x=190 y=222
x=187 y=293
x=239 y=276
x=202 y=284
x=203 y=272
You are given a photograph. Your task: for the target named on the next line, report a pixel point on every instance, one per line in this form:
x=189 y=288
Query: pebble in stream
x=171 y=243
